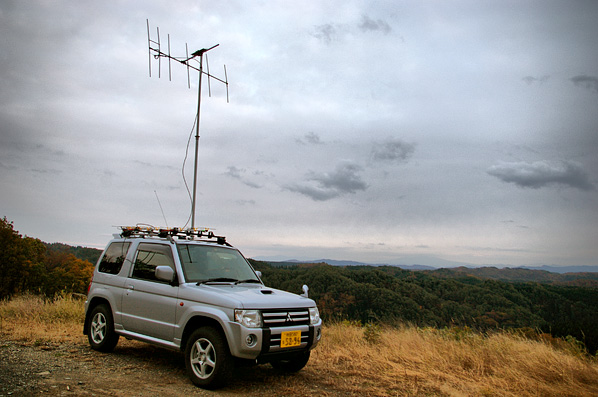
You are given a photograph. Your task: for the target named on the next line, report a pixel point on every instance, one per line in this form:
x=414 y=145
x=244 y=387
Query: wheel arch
x=199 y=321
x=95 y=302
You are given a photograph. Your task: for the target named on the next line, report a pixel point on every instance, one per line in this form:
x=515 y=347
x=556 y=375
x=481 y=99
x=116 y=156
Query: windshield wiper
x=249 y=280
x=218 y=280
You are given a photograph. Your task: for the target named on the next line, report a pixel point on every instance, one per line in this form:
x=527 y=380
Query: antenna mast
x=155 y=50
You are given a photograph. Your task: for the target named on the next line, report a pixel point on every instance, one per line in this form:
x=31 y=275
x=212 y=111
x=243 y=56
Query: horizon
x=427 y=262
x=424 y=261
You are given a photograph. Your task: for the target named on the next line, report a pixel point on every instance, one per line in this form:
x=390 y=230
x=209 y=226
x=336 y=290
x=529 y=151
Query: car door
x=148 y=304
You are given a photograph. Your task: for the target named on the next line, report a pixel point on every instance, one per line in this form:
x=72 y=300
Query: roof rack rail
x=204 y=234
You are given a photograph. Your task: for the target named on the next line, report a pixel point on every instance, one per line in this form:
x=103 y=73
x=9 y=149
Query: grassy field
x=357 y=360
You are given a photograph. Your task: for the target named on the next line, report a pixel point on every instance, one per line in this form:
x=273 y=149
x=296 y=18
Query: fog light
x=251 y=340
x=319 y=334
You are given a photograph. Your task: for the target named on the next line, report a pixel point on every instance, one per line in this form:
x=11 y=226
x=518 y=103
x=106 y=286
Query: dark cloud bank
x=589 y=82
x=322 y=186
x=543 y=173
x=392 y=150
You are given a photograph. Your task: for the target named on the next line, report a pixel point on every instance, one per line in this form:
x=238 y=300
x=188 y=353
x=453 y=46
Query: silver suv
x=191 y=291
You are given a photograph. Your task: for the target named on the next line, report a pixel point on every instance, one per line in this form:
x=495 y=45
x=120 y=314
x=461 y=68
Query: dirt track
x=133 y=369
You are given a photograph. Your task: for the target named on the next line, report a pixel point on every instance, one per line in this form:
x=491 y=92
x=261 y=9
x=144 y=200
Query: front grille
x=277 y=321
x=285 y=318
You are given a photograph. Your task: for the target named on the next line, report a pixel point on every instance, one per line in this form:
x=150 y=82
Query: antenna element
x=155 y=50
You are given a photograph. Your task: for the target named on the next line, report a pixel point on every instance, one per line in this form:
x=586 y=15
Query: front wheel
x=292 y=364
x=101 y=335
x=207 y=358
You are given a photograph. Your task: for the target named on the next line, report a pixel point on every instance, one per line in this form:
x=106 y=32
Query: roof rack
x=203 y=234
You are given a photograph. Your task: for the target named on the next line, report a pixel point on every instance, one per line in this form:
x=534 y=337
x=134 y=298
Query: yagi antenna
x=155 y=51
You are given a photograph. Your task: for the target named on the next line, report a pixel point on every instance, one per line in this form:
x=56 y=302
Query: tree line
x=390 y=295
x=29 y=265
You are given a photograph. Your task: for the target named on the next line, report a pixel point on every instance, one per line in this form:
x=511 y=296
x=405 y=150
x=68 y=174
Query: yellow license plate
x=290 y=339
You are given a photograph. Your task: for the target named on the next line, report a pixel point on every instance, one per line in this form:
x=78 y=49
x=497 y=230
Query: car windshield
x=202 y=263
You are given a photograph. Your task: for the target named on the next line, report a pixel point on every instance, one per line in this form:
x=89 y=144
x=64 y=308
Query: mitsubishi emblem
x=289 y=318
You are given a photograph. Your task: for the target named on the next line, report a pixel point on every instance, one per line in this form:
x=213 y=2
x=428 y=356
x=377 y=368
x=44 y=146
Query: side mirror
x=305 y=291
x=259 y=274
x=164 y=273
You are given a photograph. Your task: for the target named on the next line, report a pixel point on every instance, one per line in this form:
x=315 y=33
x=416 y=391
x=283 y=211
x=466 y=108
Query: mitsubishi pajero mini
x=191 y=291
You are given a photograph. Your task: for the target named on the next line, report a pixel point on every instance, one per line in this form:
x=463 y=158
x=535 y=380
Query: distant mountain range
x=416 y=262
x=563 y=269
x=430 y=263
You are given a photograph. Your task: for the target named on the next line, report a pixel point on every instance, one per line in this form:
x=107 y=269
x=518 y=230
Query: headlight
x=248 y=318
x=314 y=315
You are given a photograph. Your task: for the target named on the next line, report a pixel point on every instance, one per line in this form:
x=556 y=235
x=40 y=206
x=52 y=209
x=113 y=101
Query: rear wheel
x=207 y=358
x=292 y=364
x=100 y=334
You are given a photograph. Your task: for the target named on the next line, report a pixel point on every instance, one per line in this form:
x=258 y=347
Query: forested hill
x=84 y=253
x=390 y=295
x=586 y=279
x=547 y=274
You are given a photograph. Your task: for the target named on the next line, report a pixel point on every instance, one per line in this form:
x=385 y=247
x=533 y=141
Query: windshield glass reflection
x=203 y=263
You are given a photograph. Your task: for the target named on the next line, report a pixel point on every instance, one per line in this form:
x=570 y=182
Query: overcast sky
x=374 y=131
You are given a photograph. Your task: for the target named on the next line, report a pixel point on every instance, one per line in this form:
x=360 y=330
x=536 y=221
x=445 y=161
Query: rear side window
x=148 y=257
x=113 y=258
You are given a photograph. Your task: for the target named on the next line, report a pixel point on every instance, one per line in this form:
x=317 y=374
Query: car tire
x=293 y=364
x=100 y=333
x=207 y=358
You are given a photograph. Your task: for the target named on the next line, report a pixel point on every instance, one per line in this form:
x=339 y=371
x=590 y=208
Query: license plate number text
x=290 y=339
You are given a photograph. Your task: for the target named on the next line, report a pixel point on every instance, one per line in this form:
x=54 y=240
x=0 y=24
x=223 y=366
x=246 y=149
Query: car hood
x=244 y=296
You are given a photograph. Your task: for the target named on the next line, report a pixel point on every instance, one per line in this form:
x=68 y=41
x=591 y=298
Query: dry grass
x=414 y=361
x=353 y=360
x=31 y=318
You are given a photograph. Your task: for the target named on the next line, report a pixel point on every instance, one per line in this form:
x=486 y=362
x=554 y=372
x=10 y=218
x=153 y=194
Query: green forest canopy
x=391 y=295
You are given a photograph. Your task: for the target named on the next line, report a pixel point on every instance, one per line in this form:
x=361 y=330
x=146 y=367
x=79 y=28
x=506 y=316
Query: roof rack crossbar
x=185 y=234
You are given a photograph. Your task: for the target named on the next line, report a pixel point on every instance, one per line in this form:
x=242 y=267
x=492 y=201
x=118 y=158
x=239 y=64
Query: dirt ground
x=133 y=369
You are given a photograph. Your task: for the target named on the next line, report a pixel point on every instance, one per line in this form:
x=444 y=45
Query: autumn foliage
x=29 y=265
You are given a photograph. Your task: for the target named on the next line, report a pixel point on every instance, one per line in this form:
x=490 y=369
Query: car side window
x=114 y=257
x=148 y=257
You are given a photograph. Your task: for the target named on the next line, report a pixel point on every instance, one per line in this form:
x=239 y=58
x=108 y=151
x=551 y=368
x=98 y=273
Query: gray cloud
x=392 y=149
x=310 y=138
x=531 y=79
x=330 y=32
x=7 y=167
x=589 y=82
x=237 y=173
x=46 y=171
x=370 y=25
x=497 y=249
x=322 y=186
x=326 y=32
x=245 y=202
x=512 y=222
x=147 y=164
x=542 y=173
x=234 y=172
